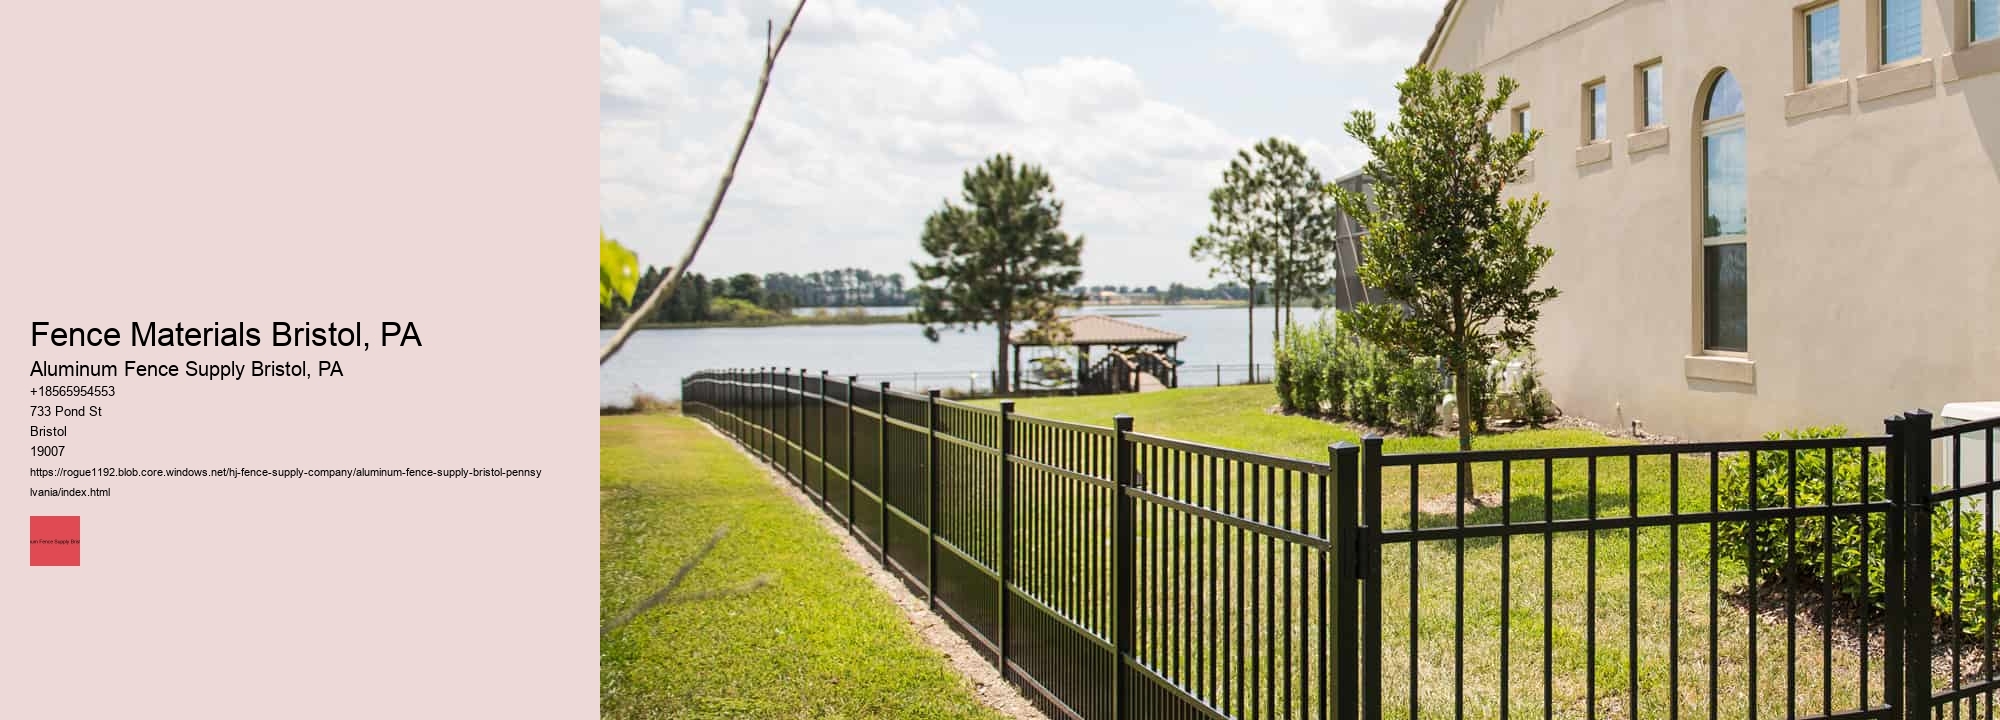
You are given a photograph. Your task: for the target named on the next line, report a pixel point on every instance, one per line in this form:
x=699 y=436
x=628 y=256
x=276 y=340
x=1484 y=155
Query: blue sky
x=878 y=106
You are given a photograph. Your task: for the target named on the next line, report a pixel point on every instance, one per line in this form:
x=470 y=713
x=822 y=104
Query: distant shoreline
x=894 y=319
x=774 y=322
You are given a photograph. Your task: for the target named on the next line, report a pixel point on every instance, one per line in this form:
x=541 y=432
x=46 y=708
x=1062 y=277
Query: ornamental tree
x=1000 y=258
x=1441 y=240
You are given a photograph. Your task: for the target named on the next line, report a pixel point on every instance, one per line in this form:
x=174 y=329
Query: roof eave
x=1437 y=32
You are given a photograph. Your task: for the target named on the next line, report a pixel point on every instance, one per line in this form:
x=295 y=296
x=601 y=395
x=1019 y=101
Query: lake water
x=656 y=360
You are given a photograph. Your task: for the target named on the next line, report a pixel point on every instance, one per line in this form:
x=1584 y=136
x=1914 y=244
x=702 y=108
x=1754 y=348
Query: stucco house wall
x=1874 y=222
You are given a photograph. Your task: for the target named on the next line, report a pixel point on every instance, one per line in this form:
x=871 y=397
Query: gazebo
x=1157 y=361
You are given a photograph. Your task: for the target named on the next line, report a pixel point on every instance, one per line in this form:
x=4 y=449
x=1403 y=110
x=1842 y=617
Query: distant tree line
x=1177 y=293
x=845 y=287
x=746 y=296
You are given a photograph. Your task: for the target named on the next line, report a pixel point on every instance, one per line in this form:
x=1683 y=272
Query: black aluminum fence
x=1115 y=574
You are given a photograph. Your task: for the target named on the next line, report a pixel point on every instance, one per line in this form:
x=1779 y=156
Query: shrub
x=1532 y=398
x=1816 y=547
x=1415 y=388
x=1281 y=376
x=1322 y=369
x=1302 y=361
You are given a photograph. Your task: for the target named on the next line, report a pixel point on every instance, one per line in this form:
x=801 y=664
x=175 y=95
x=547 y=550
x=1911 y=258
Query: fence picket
x=1123 y=535
x=882 y=471
x=1006 y=526
x=930 y=498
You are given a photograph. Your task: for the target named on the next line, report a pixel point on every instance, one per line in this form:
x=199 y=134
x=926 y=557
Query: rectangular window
x=1985 y=19
x=1725 y=279
x=1523 y=122
x=1724 y=184
x=1902 y=30
x=1652 y=77
x=1725 y=250
x=1594 y=96
x=1823 y=43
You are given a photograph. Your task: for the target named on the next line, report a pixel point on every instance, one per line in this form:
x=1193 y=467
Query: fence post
x=1345 y=576
x=769 y=391
x=848 y=442
x=1912 y=452
x=930 y=497
x=882 y=469
x=825 y=505
x=781 y=406
x=795 y=448
x=759 y=408
x=1368 y=560
x=1123 y=536
x=1895 y=550
x=1004 y=615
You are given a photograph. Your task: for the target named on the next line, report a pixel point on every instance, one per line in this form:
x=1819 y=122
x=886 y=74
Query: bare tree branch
x=666 y=287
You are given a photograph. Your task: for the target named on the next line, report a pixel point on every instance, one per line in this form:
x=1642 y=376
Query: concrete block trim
x=1593 y=153
x=1830 y=95
x=1896 y=80
x=1721 y=368
x=1969 y=61
x=1648 y=139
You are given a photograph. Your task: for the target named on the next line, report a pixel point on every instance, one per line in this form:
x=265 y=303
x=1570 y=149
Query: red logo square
x=55 y=540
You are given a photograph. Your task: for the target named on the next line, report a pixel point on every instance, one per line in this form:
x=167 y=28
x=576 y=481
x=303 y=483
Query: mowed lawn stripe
x=819 y=640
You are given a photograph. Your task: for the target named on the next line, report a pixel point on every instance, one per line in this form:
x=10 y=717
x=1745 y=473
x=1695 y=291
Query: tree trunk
x=1462 y=379
x=1000 y=385
x=1252 y=344
x=1277 y=304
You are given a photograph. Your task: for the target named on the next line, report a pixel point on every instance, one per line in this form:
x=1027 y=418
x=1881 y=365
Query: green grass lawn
x=819 y=641
x=1239 y=417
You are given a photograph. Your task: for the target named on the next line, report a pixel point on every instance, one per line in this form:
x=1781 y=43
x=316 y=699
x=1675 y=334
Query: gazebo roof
x=1103 y=330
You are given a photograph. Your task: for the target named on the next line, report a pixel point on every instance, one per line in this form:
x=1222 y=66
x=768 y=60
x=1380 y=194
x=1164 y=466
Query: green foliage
x=1532 y=398
x=730 y=309
x=1414 y=391
x=1000 y=257
x=617 y=272
x=1832 y=553
x=746 y=287
x=844 y=287
x=1272 y=217
x=1321 y=370
x=1442 y=241
x=1488 y=388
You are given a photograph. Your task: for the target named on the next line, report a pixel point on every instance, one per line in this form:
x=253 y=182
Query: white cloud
x=632 y=81
x=871 y=120
x=634 y=16
x=1333 y=32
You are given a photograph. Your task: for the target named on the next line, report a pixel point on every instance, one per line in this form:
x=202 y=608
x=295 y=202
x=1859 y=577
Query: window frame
x=1971 y=35
x=1643 y=116
x=1805 y=46
x=1591 y=132
x=1522 y=118
x=1709 y=128
x=1878 y=20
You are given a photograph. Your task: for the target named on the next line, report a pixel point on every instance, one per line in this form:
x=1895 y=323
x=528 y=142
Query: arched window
x=1725 y=219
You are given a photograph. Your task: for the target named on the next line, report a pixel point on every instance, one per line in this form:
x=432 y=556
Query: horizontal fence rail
x=1111 y=573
